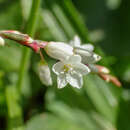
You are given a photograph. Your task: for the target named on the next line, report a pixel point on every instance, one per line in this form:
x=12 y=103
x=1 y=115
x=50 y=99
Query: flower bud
x=58 y=50
x=102 y=69
x=2 y=42
x=44 y=74
x=88 y=57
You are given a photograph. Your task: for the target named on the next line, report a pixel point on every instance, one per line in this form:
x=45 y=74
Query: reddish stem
x=110 y=78
x=23 y=39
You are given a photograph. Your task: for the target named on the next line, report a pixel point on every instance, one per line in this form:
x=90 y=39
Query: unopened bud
x=58 y=50
x=44 y=74
x=110 y=78
x=102 y=69
x=2 y=42
x=105 y=70
x=87 y=56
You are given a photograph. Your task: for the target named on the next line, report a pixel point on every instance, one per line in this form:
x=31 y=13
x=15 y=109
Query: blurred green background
x=98 y=105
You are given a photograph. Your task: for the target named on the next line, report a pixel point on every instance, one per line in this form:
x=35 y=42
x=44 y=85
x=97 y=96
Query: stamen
x=67 y=67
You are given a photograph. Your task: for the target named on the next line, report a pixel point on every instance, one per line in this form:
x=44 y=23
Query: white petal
x=82 y=52
x=72 y=43
x=77 y=41
x=90 y=59
x=81 y=68
x=96 y=57
x=58 y=68
x=58 y=50
x=61 y=81
x=44 y=74
x=75 y=80
x=2 y=42
x=73 y=59
x=88 y=47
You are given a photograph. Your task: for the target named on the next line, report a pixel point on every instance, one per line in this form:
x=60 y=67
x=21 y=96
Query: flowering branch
x=23 y=39
x=75 y=60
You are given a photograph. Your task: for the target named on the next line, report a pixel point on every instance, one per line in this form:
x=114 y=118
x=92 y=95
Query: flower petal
x=44 y=74
x=61 y=81
x=58 y=68
x=58 y=50
x=73 y=59
x=76 y=41
x=82 y=52
x=71 y=43
x=2 y=42
x=88 y=47
x=96 y=57
x=81 y=68
x=90 y=59
x=75 y=80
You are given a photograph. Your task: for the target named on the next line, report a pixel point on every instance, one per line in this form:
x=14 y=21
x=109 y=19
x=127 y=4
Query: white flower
x=70 y=71
x=44 y=74
x=58 y=50
x=2 y=42
x=85 y=51
x=77 y=43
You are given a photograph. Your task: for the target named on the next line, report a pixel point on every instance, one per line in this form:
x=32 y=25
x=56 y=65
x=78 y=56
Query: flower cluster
x=74 y=59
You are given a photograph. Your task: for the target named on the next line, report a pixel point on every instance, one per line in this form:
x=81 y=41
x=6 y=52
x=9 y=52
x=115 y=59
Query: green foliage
x=98 y=105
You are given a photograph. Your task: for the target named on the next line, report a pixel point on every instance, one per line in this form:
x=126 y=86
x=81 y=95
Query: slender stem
x=42 y=57
x=15 y=120
x=30 y=29
x=13 y=94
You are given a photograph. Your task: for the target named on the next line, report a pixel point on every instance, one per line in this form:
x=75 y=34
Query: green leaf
x=51 y=122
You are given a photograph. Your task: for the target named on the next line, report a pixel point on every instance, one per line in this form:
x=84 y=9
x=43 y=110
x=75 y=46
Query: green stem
x=13 y=94
x=15 y=120
x=30 y=30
